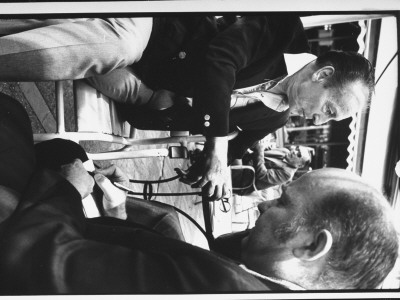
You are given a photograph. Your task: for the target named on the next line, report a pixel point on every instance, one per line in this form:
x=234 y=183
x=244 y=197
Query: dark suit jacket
x=206 y=58
x=255 y=122
x=48 y=247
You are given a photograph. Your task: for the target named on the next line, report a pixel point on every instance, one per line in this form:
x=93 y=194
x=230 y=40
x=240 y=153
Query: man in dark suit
x=201 y=57
x=310 y=238
x=215 y=61
x=47 y=246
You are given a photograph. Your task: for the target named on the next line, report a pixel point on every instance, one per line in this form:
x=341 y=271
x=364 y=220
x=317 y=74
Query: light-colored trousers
x=58 y=49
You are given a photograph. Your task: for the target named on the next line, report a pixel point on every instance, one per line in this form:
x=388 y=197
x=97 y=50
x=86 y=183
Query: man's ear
x=315 y=248
x=323 y=73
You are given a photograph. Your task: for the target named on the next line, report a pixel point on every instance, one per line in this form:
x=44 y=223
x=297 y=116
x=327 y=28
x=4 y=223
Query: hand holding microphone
x=114 y=198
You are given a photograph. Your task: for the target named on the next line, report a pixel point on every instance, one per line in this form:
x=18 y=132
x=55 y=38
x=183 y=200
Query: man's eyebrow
x=338 y=107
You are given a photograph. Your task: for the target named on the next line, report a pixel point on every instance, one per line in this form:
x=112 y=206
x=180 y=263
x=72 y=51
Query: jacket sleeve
x=244 y=140
x=47 y=247
x=246 y=42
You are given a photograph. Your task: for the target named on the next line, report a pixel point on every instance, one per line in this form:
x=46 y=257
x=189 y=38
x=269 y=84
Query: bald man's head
x=352 y=215
x=365 y=243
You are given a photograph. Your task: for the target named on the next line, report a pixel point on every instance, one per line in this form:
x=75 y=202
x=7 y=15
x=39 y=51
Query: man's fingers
x=208 y=190
x=226 y=191
x=114 y=196
x=180 y=172
x=200 y=183
x=112 y=171
x=217 y=192
x=105 y=184
x=213 y=190
x=107 y=171
x=77 y=175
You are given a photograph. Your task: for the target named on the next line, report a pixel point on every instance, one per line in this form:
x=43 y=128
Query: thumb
x=113 y=196
x=180 y=172
x=104 y=183
x=99 y=178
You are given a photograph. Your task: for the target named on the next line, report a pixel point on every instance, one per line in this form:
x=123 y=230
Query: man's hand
x=211 y=173
x=76 y=174
x=162 y=99
x=259 y=148
x=114 y=198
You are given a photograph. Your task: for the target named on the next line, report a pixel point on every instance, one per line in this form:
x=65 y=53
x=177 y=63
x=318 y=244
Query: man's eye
x=329 y=112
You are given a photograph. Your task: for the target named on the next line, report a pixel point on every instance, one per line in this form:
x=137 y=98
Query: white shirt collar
x=261 y=92
x=290 y=285
x=295 y=62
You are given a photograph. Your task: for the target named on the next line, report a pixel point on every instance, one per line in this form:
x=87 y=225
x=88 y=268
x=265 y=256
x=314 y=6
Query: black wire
x=166 y=194
x=155 y=181
x=192 y=220
x=148 y=194
x=184 y=214
x=207 y=234
x=144 y=181
x=388 y=64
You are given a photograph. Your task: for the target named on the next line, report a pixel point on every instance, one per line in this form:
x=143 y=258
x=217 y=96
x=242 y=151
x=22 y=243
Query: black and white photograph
x=225 y=149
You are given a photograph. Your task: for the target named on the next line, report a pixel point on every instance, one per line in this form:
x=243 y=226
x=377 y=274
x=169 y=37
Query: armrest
x=243 y=177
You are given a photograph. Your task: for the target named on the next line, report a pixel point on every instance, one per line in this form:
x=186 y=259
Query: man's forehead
x=351 y=99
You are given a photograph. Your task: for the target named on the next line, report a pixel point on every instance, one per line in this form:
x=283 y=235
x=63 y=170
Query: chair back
x=243 y=177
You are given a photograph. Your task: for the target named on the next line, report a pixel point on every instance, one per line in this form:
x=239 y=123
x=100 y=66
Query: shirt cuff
x=117 y=212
